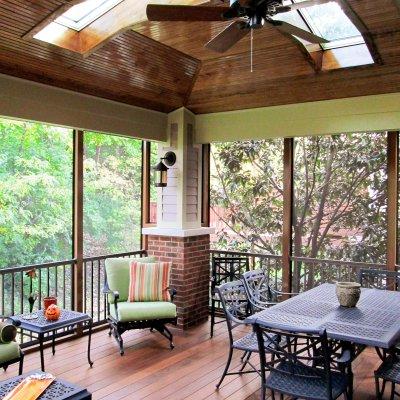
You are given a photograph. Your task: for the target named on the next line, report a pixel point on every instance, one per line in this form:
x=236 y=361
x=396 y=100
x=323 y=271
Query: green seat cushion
x=139 y=311
x=9 y=351
x=117 y=270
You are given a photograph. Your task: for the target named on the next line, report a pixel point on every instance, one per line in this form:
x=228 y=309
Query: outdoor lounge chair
x=10 y=352
x=124 y=315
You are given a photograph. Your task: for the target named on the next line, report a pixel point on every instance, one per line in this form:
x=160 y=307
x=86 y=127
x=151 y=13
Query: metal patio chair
x=10 y=351
x=301 y=364
x=261 y=295
x=388 y=371
x=123 y=315
x=379 y=279
x=224 y=269
x=235 y=305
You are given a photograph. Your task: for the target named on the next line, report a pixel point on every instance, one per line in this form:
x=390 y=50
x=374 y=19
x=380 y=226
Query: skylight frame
x=312 y=27
x=89 y=16
x=333 y=44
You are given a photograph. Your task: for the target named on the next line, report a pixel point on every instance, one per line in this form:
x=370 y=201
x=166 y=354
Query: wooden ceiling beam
x=360 y=25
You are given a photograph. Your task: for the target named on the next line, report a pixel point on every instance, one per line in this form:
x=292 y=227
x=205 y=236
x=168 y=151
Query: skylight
x=326 y=20
x=83 y=14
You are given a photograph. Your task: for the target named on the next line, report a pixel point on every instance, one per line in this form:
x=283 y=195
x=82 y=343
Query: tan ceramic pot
x=348 y=293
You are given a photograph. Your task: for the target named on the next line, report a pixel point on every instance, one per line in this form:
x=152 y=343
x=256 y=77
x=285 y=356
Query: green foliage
x=340 y=196
x=112 y=191
x=36 y=193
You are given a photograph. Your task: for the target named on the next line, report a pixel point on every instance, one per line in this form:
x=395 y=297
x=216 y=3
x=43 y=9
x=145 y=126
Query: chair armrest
x=172 y=293
x=115 y=295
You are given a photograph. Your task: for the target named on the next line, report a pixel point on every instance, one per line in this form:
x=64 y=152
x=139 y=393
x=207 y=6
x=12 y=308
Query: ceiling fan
x=247 y=15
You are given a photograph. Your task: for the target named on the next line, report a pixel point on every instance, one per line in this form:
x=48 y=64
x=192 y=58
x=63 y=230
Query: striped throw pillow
x=149 y=281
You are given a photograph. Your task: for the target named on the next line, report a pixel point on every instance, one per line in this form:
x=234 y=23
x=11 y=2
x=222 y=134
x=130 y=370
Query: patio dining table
x=375 y=321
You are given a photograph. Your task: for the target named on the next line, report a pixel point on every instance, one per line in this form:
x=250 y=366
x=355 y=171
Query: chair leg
x=392 y=391
x=166 y=333
x=228 y=363
x=21 y=364
x=243 y=356
x=212 y=318
x=119 y=340
x=245 y=361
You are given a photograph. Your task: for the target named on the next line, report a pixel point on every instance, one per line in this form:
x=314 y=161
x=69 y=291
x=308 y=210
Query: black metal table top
x=42 y=325
x=374 y=322
x=58 y=390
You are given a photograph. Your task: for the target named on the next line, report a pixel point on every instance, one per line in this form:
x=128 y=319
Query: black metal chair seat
x=249 y=343
x=301 y=385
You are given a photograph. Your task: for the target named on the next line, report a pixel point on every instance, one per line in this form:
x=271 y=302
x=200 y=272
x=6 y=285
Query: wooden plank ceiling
x=164 y=66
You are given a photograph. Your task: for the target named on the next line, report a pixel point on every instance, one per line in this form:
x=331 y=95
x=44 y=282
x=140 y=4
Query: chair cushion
x=9 y=351
x=304 y=384
x=117 y=270
x=141 y=311
x=149 y=281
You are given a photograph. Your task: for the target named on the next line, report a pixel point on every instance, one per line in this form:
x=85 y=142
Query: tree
x=340 y=196
x=36 y=193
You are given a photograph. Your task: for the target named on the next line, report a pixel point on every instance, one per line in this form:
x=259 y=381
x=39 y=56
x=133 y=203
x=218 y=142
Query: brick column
x=190 y=273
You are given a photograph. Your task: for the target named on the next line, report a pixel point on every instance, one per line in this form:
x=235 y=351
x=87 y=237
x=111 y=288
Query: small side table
x=41 y=326
x=58 y=390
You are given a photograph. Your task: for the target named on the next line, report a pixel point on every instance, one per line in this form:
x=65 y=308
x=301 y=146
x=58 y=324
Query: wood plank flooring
x=150 y=371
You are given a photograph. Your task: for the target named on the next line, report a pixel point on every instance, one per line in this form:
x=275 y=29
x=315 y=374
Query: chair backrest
x=117 y=273
x=259 y=292
x=303 y=354
x=227 y=269
x=379 y=279
x=234 y=303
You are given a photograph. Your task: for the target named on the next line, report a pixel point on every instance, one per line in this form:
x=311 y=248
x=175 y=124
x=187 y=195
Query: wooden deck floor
x=149 y=370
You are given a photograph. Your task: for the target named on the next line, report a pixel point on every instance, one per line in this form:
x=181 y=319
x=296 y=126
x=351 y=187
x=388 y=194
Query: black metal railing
x=311 y=272
x=56 y=279
x=307 y=272
x=269 y=262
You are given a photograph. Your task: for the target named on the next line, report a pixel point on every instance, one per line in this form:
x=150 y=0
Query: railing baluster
x=21 y=276
x=56 y=281
x=48 y=281
x=91 y=289
x=12 y=294
x=98 y=290
x=84 y=287
x=64 y=289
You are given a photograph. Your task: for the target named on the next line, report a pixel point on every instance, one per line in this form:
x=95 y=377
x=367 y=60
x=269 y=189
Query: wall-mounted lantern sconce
x=160 y=170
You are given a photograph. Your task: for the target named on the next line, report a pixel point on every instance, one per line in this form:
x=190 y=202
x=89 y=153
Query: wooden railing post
x=392 y=195
x=77 y=287
x=287 y=273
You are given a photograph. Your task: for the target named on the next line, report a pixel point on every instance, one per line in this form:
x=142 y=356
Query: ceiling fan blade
x=308 y=3
x=228 y=37
x=159 y=12
x=296 y=31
